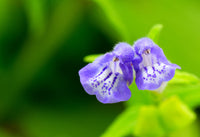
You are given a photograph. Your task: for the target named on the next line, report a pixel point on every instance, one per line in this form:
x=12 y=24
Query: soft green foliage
x=175 y=114
x=37 y=50
x=91 y=58
x=171 y=115
x=124 y=123
x=115 y=19
x=154 y=32
x=184 y=78
x=36 y=17
x=191 y=130
x=186 y=86
x=148 y=123
x=46 y=122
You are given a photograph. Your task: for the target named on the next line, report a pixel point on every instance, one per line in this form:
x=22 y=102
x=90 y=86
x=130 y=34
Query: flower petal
x=152 y=67
x=92 y=69
x=105 y=79
x=113 y=90
x=127 y=72
x=124 y=51
x=151 y=77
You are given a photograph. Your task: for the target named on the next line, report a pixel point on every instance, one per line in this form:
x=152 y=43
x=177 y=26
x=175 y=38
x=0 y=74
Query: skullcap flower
x=109 y=76
x=151 y=66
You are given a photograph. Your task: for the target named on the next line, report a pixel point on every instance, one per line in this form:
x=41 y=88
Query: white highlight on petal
x=146 y=60
x=114 y=65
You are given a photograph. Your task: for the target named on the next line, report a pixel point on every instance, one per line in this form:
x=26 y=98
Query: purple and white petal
x=92 y=69
x=113 y=90
x=152 y=77
x=152 y=67
x=108 y=76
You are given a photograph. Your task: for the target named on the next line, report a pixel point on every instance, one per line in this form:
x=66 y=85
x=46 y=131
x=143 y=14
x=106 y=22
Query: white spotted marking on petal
x=106 y=79
x=150 y=70
x=155 y=73
x=159 y=67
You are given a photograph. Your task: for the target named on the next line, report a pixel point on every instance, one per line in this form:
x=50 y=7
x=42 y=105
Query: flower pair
x=109 y=76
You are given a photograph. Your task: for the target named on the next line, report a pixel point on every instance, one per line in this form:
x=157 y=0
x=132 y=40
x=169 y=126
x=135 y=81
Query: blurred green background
x=42 y=45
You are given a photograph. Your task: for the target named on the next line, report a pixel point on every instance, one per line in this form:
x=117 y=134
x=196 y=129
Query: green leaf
x=124 y=123
x=91 y=58
x=186 y=86
x=191 y=130
x=189 y=94
x=155 y=32
x=148 y=123
x=184 y=78
x=171 y=115
x=175 y=114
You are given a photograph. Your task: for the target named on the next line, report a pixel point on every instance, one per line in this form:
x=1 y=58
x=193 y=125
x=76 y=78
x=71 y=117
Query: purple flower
x=109 y=76
x=151 y=66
